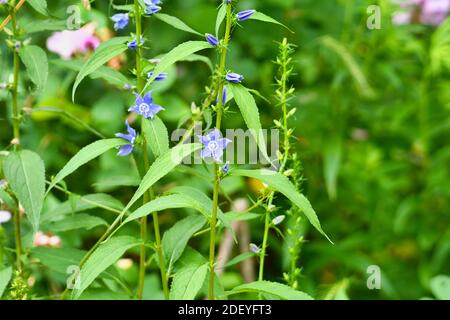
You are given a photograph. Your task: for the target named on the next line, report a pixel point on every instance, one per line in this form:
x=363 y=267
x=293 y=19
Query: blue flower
x=130 y=137
x=160 y=77
x=234 y=77
x=224 y=96
x=121 y=20
x=133 y=44
x=145 y=107
x=152 y=2
x=152 y=7
x=214 y=145
x=212 y=40
x=244 y=15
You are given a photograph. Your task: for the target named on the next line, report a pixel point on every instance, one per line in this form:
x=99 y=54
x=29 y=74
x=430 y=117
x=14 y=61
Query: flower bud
x=279 y=219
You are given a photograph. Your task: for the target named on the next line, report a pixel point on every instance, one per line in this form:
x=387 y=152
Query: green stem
x=286 y=148
x=149 y=195
x=16 y=130
x=213 y=223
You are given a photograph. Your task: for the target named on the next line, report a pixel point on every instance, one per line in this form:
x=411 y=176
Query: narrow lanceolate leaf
x=82 y=203
x=35 y=60
x=220 y=17
x=102 y=258
x=109 y=75
x=352 y=65
x=250 y=113
x=176 y=23
x=45 y=25
x=178 y=53
x=203 y=204
x=85 y=155
x=39 y=5
x=162 y=166
x=5 y=277
x=197 y=57
x=173 y=201
x=25 y=173
x=105 y=52
x=156 y=135
x=282 y=184
x=271 y=288
x=176 y=238
x=77 y=221
x=265 y=18
x=188 y=281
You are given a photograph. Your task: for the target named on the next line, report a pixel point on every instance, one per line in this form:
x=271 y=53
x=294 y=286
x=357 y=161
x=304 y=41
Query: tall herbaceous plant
x=183 y=271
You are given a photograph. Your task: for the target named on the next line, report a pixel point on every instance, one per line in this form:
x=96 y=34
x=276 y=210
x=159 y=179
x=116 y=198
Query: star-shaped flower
x=145 y=107
x=214 y=145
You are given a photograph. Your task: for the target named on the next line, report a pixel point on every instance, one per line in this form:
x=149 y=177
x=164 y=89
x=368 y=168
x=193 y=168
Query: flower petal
x=125 y=150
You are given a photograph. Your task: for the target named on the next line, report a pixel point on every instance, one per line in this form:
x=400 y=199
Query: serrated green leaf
x=250 y=113
x=265 y=18
x=103 y=257
x=188 y=281
x=282 y=184
x=5 y=277
x=176 y=54
x=35 y=61
x=176 y=23
x=85 y=155
x=105 y=52
x=25 y=172
x=176 y=238
x=272 y=288
x=156 y=135
x=162 y=166
x=58 y=259
x=39 y=5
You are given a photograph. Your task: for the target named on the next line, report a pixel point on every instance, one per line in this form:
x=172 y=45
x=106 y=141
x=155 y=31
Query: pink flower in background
x=434 y=12
x=67 y=43
x=40 y=239
x=44 y=240
x=428 y=12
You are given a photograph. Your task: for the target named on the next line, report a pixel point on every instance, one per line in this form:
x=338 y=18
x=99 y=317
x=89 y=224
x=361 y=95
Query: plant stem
x=148 y=196
x=286 y=148
x=16 y=132
x=212 y=239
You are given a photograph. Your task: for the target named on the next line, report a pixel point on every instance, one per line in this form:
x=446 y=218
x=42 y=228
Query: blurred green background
x=372 y=127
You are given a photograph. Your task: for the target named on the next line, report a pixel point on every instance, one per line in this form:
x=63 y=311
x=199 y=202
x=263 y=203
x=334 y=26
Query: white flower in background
x=5 y=216
x=240 y=205
x=124 y=264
